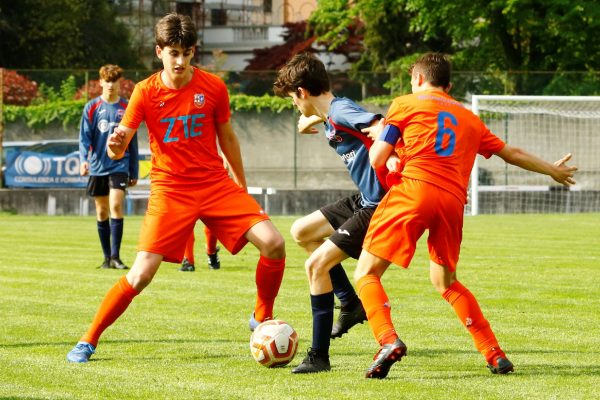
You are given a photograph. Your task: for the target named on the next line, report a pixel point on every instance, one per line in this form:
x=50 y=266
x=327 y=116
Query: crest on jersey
x=120 y=113
x=199 y=100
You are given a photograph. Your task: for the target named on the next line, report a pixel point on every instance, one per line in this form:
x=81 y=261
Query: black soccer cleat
x=314 y=361
x=213 y=259
x=105 y=264
x=115 y=262
x=187 y=266
x=503 y=366
x=350 y=315
x=387 y=355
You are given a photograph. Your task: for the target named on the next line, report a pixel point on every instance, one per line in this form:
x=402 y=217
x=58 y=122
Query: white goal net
x=549 y=127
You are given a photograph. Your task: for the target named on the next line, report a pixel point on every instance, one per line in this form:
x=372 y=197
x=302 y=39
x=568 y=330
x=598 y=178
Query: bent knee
x=274 y=248
x=314 y=268
x=299 y=232
x=139 y=280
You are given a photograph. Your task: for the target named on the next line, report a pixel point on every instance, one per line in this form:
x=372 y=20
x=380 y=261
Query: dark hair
x=435 y=67
x=110 y=72
x=175 y=30
x=303 y=70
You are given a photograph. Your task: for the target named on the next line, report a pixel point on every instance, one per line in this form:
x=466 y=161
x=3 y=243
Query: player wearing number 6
x=436 y=140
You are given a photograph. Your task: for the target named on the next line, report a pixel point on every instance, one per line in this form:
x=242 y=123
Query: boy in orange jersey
x=436 y=140
x=187 y=112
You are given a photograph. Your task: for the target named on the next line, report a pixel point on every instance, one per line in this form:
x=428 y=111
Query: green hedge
x=69 y=112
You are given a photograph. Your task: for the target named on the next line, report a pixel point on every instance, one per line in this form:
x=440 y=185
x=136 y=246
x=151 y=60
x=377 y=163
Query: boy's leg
x=116 y=301
x=469 y=313
x=117 y=184
x=348 y=237
x=188 y=264
x=367 y=276
x=318 y=267
x=103 y=226
x=211 y=241
x=269 y=270
x=212 y=249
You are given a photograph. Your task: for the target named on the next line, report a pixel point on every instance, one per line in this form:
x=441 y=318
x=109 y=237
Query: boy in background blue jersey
x=336 y=231
x=108 y=178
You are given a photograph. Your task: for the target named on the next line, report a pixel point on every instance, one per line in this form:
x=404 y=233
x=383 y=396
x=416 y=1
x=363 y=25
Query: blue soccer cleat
x=253 y=323
x=81 y=353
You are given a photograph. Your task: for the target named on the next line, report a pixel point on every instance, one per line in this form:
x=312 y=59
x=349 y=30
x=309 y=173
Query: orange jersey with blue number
x=440 y=139
x=181 y=127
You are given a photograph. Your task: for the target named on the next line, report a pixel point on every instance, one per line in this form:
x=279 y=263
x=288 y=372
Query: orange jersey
x=181 y=127
x=440 y=139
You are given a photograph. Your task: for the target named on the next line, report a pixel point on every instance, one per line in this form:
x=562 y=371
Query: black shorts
x=101 y=185
x=350 y=221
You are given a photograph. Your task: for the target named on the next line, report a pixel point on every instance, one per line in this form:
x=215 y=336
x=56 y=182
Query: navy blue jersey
x=342 y=128
x=98 y=121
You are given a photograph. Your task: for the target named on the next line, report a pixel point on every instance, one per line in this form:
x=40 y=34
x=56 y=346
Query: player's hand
x=393 y=163
x=132 y=182
x=305 y=124
x=563 y=173
x=84 y=168
x=116 y=143
x=374 y=131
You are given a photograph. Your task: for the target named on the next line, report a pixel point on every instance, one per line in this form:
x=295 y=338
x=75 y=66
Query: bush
x=18 y=89
x=94 y=89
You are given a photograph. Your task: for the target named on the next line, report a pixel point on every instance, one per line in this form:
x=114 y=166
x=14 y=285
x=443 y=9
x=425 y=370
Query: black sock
x=104 y=234
x=342 y=287
x=116 y=231
x=322 y=312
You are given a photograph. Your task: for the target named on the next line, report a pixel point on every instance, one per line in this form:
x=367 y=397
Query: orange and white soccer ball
x=273 y=343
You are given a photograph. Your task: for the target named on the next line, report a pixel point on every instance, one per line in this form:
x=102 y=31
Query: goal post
x=549 y=127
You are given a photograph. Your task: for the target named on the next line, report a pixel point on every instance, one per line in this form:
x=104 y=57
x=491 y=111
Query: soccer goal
x=549 y=127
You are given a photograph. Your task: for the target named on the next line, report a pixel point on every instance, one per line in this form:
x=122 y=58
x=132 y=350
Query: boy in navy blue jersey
x=108 y=178
x=336 y=231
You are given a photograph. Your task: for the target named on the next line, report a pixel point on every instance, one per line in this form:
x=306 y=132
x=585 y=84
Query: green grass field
x=537 y=278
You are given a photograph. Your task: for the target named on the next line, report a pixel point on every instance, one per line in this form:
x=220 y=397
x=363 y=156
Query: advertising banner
x=29 y=169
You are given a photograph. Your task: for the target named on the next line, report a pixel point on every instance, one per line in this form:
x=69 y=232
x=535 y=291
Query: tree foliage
x=62 y=34
x=481 y=35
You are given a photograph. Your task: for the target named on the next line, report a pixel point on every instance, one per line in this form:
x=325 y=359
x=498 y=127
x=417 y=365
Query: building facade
x=228 y=30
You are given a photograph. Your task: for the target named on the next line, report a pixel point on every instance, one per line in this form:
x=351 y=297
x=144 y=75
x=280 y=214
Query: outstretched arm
x=559 y=171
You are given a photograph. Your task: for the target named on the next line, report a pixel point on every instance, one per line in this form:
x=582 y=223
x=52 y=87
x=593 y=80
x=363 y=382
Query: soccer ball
x=273 y=343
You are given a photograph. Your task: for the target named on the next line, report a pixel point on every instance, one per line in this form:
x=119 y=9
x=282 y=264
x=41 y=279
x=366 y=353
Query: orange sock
x=269 y=273
x=189 y=249
x=115 y=302
x=211 y=241
x=467 y=309
x=378 y=309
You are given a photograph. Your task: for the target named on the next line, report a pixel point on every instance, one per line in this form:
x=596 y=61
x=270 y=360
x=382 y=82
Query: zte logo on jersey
x=191 y=125
x=348 y=157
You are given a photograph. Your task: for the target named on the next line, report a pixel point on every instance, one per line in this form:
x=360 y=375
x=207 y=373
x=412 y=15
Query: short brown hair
x=435 y=67
x=303 y=70
x=110 y=72
x=175 y=30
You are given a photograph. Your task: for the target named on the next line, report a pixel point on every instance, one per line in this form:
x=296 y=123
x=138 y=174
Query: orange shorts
x=225 y=208
x=409 y=208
